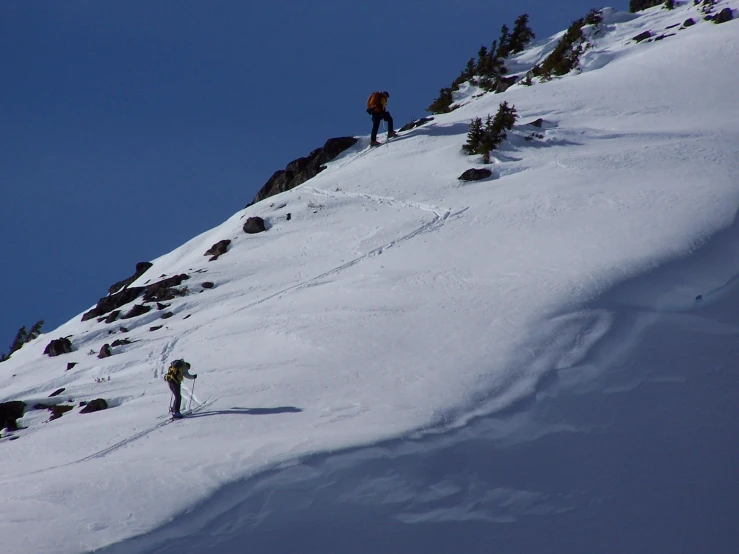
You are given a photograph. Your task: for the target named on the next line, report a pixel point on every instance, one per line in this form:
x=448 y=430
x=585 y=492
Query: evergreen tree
x=35 y=330
x=474 y=137
x=669 y=5
x=503 y=43
x=482 y=61
x=467 y=73
x=484 y=139
x=443 y=103
x=521 y=34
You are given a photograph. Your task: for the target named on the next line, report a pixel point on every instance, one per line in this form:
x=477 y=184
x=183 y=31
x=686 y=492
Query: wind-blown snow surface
x=414 y=364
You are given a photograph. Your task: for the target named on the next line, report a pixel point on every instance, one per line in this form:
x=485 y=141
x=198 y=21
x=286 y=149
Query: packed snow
x=540 y=361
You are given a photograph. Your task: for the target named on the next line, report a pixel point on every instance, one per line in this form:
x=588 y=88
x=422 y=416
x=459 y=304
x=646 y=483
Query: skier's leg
x=376 y=118
x=389 y=120
x=176 y=390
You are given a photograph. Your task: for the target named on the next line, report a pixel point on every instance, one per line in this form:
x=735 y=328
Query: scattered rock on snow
x=70 y=365
x=254 y=225
x=642 y=36
x=105 y=352
x=167 y=315
x=137 y=310
x=120 y=342
x=57 y=347
x=155 y=327
x=9 y=413
x=475 y=174
x=161 y=306
x=165 y=289
x=57 y=392
x=723 y=16
x=688 y=22
x=208 y=285
x=415 y=123
x=112 y=316
x=218 y=249
x=94 y=406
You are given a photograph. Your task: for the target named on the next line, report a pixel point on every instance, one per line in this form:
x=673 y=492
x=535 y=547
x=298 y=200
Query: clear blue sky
x=129 y=127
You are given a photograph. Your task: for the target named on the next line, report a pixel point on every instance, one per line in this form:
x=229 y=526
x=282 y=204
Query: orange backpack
x=374 y=102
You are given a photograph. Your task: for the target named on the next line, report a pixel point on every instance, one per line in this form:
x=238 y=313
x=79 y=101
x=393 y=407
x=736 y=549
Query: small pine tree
x=503 y=43
x=4 y=357
x=521 y=35
x=474 y=137
x=443 y=103
x=482 y=61
x=19 y=340
x=484 y=139
x=467 y=74
x=35 y=330
x=669 y=4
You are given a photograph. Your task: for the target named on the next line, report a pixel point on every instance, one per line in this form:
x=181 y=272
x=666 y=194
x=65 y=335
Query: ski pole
x=192 y=393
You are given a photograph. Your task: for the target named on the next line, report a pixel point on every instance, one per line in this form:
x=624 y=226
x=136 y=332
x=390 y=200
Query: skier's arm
x=186 y=372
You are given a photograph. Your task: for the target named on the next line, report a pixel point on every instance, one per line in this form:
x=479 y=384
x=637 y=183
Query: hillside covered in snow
x=402 y=361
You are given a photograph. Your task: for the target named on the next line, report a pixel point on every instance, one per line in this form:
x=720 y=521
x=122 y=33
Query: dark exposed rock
x=165 y=289
x=112 y=316
x=155 y=327
x=289 y=216
x=187 y=316
x=141 y=268
x=120 y=342
x=9 y=413
x=137 y=310
x=94 y=406
x=414 y=124
x=537 y=123
x=639 y=5
x=70 y=365
x=688 y=22
x=162 y=290
x=109 y=303
x=124 y=329
x=208 y=285
x=723 y=16
x=58 y=347
x=254 y=225
x=475 y=174
x=167 y=315
x=57 y=410
x=105 y=352
x=161 y=306
x=300 y=170
x=218 y=249
x=57 y=392
x=642 y=36
x=504 y=83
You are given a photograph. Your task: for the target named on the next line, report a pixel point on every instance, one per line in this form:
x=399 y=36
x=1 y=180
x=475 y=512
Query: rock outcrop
x=300 y=170
x=9 y=413
x=475 y=174
x=141 y=268
x=254 y=225
x=94 y=406
x=57 y=347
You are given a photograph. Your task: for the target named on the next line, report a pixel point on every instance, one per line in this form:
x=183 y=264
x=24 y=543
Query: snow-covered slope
x=447 y=323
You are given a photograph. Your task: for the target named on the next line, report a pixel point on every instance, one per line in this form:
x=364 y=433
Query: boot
x=375 y=143
x=391 y=134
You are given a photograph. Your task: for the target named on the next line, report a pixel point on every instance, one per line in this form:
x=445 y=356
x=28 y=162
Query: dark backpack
x=374 y=103
x=174 y=373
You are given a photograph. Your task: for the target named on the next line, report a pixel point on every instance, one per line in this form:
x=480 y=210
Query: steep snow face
x=395 y=301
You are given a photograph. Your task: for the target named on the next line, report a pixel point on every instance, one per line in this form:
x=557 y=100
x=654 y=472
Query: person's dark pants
x=176 y=389
x=376 y=118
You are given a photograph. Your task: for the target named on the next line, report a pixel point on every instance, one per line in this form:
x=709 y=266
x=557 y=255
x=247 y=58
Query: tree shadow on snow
x=251 y=411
